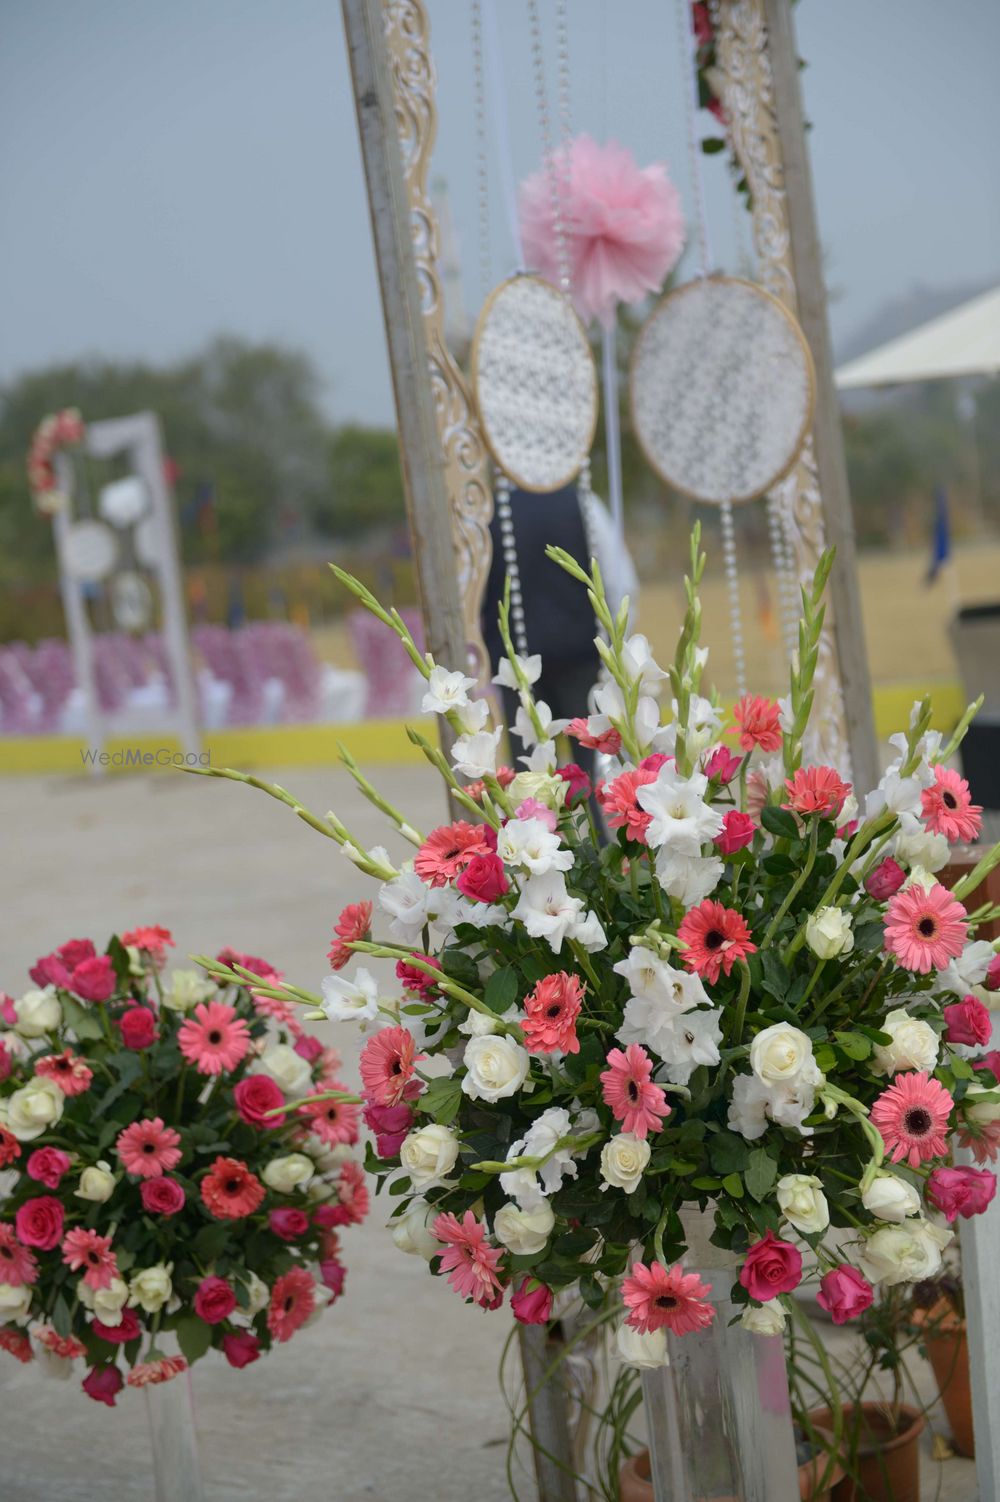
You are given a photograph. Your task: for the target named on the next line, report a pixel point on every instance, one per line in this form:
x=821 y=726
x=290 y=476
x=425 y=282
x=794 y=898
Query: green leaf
x=460 y=967
x=855 y=1045
x=712 y=145
x=501 y=990
x=211 y=1240
x=761 y=1173
x=780 y=822
x=733 y=1185
x=193 y=1336
x=728 y=1153
x=442 y=1099
x=401 y=1186
x=591 y=1291
x=776 y=978
x=85 y=1024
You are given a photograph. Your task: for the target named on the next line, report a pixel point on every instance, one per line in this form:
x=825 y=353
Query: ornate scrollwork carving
x=466 y=468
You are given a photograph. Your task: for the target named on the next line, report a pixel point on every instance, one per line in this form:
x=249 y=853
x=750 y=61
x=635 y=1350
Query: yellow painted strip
x=370 y=742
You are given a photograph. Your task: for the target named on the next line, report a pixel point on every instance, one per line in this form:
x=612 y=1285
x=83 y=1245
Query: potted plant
x=938 y=1313
x=819 y=1472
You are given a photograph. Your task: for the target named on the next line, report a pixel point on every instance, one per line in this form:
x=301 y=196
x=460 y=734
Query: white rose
x=497 y=1068
x=287 y=1068
x=186 y=989
x=96 y=1183
x=914 y=1044
x=34 y=1108
x=285 y=1175
x=891 y=1198
x=541 y=786
x=524 y=1232
x=411 y=1234
x=986 y=1111
x=769 y=1319
x=326 y=1156
x=803 y=1203
x=904 y=1254
x=38 y=1012
x=782 y=1055
x=828 y=933
x=105 y=1304
x=623 y=1161
x=428 y=1155
x=258 y=1295
x=151 y=1287
x=14 y=1302
x=642 y=1351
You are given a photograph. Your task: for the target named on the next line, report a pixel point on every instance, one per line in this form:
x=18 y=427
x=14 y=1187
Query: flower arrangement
x=756 y=1001
x=62 y=429
x=168 y=1169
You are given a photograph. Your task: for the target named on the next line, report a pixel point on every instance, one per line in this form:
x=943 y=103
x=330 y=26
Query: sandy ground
x=393 y=1395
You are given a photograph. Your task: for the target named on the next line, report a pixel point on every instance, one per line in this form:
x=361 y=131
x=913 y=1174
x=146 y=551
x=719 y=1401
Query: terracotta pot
x=888 y=1452
x=948 y=1353
x=636 y=1486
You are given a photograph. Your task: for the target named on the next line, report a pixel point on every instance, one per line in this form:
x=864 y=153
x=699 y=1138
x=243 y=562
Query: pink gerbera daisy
x=230 y=1191
x=551 y=1010
x=69 y=1071
x=628 y=1089
x=416 y=979
x=759 y=721
x=333 y=1121
x=17 y=1263
x=293 y=1299
x=10 y=1148
x=84 y=1250
x=816 y=790
x=618 y=800
x=352 y=1193
x=715 y=938
x=280 y=1011
x=387 y=1066
x=353 y=925
x=982 y=1138
x=471 y=1264
x=148 y=1148
x=214 y=1040
x=658 y=1297
x=925 y=927
x=911 y=1117
x=475 y=790
x=66 y=1346
x=608 y=741
x=948 y=807
x=161 y=1369
x=447 y=851
x=152 y=940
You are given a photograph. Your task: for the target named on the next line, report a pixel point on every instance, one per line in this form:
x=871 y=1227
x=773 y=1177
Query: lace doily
x=722 y=390
x=534 y=383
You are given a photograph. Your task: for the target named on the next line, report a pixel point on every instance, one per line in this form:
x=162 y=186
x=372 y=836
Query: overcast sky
x=169 y=171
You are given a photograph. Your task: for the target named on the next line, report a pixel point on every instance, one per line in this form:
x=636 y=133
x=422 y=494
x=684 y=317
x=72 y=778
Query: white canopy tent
x=964 y=342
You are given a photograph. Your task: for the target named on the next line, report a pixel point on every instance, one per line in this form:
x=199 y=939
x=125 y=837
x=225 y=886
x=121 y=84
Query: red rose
x=138 y=1027
x=50 y=971
x=885 y=881
x=47 y=1165
x=255 y=1096
x=992 y=981
x=334 y=1276
x=39 y=1222
x=737 y=831
x=6 y=1063
x=390 y=1125
x=214 y=1301
x=162 y=1196
x=288 y=1223
x=93 y=979
x=128 y=1328
x=484 y=879
x=577 y=783
x=843 y=1293
x=771 y=1267
x=990 y=1061
x=240 y=1350
x=328 y=1216
x=961 y=1191
x=75 y=951
x=309 y=1048
x=532 y=1305
x=968 y=1022
x=102 y=1383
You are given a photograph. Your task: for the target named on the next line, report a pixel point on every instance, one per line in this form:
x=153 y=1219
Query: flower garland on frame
x=63 y=429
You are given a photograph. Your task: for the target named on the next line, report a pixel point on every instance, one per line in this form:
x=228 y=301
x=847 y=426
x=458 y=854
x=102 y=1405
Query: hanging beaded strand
x=784 y=573
x=482 y=157
x=501 y=488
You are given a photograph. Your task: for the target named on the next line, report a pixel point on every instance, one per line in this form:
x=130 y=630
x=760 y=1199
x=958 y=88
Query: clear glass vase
x=173 y=1438
x=719 y=1417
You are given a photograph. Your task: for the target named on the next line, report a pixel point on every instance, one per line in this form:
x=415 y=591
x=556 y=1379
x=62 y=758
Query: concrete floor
x=392 y=1396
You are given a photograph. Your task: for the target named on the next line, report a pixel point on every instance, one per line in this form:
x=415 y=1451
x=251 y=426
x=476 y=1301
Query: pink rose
x=6 y=1063
x=309 y=1048
x=885 y=881
x=162 y=1196
x=844 y=1293
x=288 y=1223
x=329 y=1216
x=334 y=1276
x=50 y=971
x=531 y=1303
x=102 y=1383
x=214 y=1301
x=138 y=1027
x=577 y=783
x=93 y=979
x=737 y=831
x=771 y=1267
x=390 y=1125
x=990 y=1061
x=240 y=1350
x=8 y=1011
x=128 y=1328
x=722 y=765
x=992 y=981
x=961 y=1191
x=484 y=879
x=47 y=1165
x=75 y=951
x=530 y=808
x=39 y=1222
x=968 y=1022
x=254 y=1096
